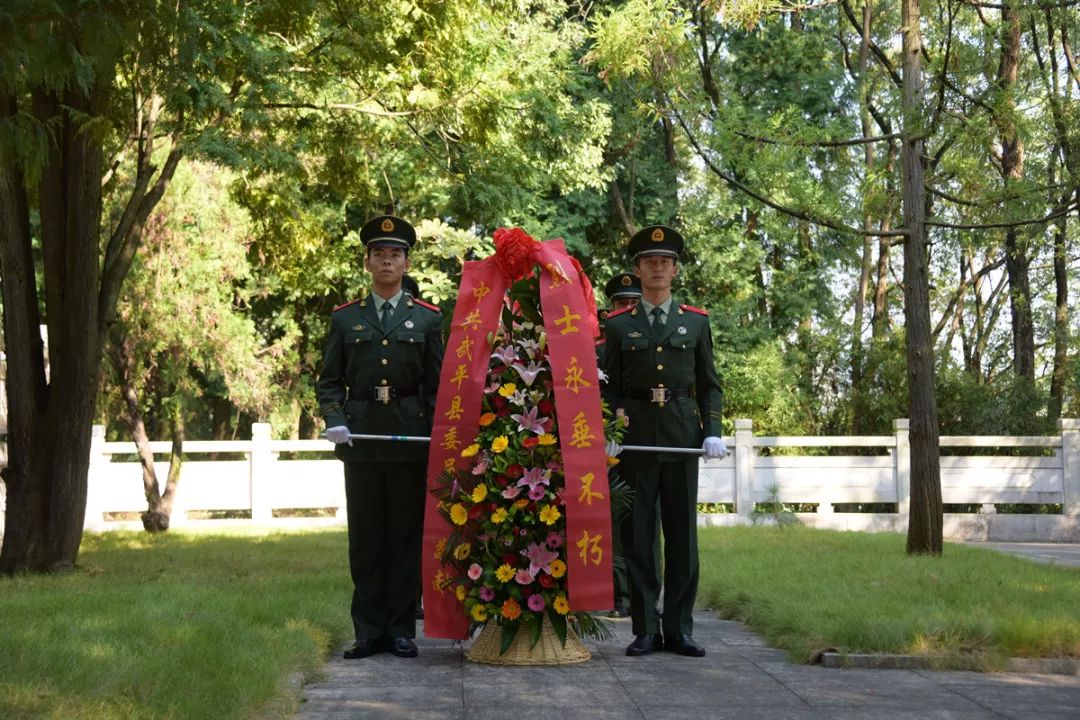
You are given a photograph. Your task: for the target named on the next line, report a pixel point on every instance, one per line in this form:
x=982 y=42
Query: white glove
x=713 y=447
x=339 y=434
x=612 y=449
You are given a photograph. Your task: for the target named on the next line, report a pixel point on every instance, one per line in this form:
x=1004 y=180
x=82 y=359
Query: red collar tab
x=345 y=305
x=429 y=306
x=693 y=309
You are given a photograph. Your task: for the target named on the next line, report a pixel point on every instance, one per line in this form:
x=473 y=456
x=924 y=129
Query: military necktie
x=657 y=317
x=385 y=314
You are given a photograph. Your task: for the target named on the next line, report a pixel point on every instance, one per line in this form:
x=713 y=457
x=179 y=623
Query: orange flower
x=510 y=609
x=487 y=418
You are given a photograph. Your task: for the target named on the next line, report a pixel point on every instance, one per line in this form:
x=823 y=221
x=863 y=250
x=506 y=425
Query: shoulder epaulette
x=617 y=313
x=429 y=306
x=693 y=309
x=345 y=305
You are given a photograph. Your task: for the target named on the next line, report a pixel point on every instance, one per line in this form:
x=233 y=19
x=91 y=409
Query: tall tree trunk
x=47 y=500
x=1012 y=169
x=159 y=512
x=1061 y=321
x=866 y=266
x=925 y=516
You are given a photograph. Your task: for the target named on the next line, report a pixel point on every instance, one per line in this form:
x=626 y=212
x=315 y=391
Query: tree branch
x=1069 y=207
x=823 y=143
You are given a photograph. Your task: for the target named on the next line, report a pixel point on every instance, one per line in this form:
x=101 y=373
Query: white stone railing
x=269 y=489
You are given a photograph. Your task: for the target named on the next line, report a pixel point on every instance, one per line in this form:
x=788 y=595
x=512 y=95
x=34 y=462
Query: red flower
x=498 y=402
x=546 y=581
x=515 y=252
x=477 y=510
x=546 y=407
x=509 y=559
x=515 y=471
x=527 y=592
x=502 y=481
x=530 y=442
x=548 y=424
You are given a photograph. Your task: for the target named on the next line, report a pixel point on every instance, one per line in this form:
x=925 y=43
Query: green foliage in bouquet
x=507 y=553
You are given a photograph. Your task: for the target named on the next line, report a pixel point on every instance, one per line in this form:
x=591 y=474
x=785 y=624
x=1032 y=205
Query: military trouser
x=385 y=503
x=674 y=485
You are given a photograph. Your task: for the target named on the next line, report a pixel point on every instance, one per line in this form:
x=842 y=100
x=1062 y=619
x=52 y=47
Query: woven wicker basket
x=548 y=650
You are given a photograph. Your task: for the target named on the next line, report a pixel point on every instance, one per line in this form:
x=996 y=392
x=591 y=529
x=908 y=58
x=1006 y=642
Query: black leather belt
x=660 y=395
x=383 y=394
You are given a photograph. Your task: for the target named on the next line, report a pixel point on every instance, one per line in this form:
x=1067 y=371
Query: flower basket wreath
x=506 y=554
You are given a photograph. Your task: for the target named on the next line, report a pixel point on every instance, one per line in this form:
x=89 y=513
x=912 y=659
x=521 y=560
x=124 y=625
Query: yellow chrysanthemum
x=499 y=444
x=479 y=612
x=462 y=551
x=487 y=418
x=549 y=514
x=460 y=592
x=504 y=573
x=458 y=514
x=499 y=516
x=612 y=461
x=510 y=609
x=547 y=439
x=507 y=390
x=471 y=450
x=561 y=606
x=479 y=493
x=558 y=568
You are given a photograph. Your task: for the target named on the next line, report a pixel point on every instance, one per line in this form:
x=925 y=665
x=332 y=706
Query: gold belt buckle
x=382 y=394
x=659 y=395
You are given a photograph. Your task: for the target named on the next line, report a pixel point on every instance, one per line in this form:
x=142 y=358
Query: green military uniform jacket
x=679 y=358
x=360 y=356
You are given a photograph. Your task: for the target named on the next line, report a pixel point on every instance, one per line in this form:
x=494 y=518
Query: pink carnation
x=536 y=602
x=475 y=571
x=554 y=540
x=487 y=594
x=523 y=577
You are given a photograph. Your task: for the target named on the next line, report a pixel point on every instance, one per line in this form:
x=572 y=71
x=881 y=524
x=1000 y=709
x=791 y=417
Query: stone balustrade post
x=1070 y=461
x=744 y=467
x=901 y=453
x=260 y=462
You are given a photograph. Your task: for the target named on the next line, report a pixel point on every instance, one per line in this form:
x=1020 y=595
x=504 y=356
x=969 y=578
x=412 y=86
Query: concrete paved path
x=1053 y=553
x=741 y=679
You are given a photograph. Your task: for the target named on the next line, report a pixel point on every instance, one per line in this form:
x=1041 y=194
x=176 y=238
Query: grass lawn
x=211 y=626
x=174 y=626
x=807 y=590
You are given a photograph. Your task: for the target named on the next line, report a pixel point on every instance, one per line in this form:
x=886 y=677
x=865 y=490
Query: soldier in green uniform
x=623 y=291
x=661 y=373
x=379 y=376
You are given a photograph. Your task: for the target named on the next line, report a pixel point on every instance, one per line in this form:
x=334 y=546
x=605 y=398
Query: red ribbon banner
x=457 y=412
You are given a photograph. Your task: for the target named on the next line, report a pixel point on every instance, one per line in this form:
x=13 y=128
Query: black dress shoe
x=618 y=613
x=365 y=648
x=683 y=645
x=645 y=645
x=403 y=647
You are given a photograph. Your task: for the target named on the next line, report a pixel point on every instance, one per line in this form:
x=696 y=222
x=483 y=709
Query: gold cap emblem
x=626 y=281
x=387 y=225
x=657 y=235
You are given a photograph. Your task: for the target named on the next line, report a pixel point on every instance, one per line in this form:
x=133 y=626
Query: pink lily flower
x=540 y=558
x=529 y=421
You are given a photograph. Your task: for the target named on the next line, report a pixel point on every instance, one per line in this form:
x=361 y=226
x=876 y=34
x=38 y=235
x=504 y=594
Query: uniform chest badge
x=357 y=327
x=681 y=330
x=409 y=323
x=634 y=334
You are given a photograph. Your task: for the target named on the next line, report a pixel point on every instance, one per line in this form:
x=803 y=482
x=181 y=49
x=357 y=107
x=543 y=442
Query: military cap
x=655 y=240
x=388 y=231
x=409 y=285
x=623 y=285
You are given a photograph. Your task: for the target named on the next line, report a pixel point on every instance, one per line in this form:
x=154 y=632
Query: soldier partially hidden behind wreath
x=380 y=376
